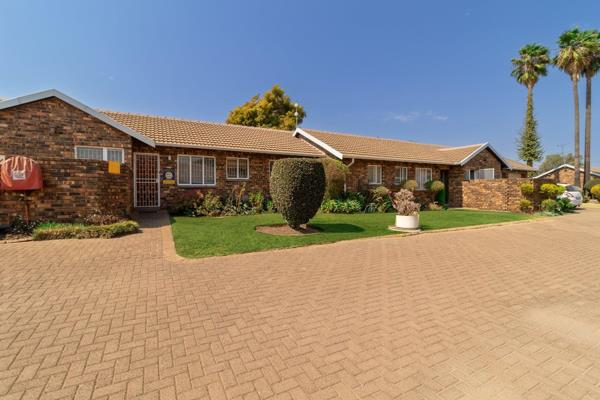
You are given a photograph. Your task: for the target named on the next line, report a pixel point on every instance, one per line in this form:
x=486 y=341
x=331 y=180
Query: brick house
x=566 y=174
x=160 y=157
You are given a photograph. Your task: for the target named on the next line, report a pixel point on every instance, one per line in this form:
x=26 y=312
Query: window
x=400 y=175
x=237 y=168
x=374 y=174
x=196 y=171
x=484 y=173
x=423 y=176
x=99 y=153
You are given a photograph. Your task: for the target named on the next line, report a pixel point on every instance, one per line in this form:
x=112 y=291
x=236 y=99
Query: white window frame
x=104 y=153
x=478 y=173
x=420 y=182
x=403 y=175
x=189 y=156
x=378 y=175
x=237 y=169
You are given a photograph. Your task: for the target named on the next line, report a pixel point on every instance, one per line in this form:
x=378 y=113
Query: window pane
x=371 y=173
x=423 y=176
x=232 y=168
x=242 y=168
x=114 y=155
x=89 y=153
x=401 y=175
x=183 y=170
x=197 y=172
x=209 y=171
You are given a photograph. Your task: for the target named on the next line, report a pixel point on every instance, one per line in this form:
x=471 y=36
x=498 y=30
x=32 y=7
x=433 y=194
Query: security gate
x=146 y=185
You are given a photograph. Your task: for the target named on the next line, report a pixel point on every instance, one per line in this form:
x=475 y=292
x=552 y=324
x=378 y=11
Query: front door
x=146 y=185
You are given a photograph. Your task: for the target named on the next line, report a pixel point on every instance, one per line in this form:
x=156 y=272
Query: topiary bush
x=527 y=189
x=595 y=191
x=435 y=186
x=297 y=188
x=410 y=185
x=335 y=177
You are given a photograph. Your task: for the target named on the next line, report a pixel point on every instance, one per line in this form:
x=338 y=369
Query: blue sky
x=435 y=71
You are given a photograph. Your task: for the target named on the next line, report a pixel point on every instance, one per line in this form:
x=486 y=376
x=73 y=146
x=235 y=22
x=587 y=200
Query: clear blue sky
x=435 y=71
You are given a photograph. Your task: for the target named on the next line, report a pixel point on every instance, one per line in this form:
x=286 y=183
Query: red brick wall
x=259 y=170
x=48 y=131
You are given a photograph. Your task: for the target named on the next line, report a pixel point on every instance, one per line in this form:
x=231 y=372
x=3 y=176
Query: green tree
x=573 y=56
x=556 y=160
x=592 y=42
x=273 y=110
x=527 y=69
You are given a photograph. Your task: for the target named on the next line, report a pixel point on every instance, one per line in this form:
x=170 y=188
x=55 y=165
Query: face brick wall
x=48 y=131
x=499 y=194
x=564 y=175
x=258 y=180
x=485 y=159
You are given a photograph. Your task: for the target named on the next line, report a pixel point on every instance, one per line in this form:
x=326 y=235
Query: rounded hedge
x=596 y=191
x=297 y=188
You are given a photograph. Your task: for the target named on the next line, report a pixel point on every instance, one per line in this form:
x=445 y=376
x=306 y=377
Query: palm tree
x=592 y=40
x=527 y=68
x=573 y=56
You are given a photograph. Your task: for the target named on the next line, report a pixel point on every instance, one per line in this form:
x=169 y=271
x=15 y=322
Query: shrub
x=335 y=178
x=356 y=196
x=565 y=205
x=551 y=190
x=410 y=185
x=550 y=206
x=297 y=188
x=591 y=183
x=404 y=203
x=341 y=206
x=234 y=204
x=381 y=200
x=18 y=226
x=257 y=201
x=97 y=217
x=435 y=186
x=51 y=231
x=595 y=191
x=209 y=206
x=434 y=207
x=526 y=205
x=527 y=189
x=185 y=203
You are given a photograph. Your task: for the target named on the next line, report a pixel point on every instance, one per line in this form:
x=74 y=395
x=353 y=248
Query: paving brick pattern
x=508 y=312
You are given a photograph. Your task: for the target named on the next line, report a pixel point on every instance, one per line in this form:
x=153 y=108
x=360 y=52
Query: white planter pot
x=407 y=221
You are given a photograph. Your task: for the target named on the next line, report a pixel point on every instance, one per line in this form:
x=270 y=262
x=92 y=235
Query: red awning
x=20 y=173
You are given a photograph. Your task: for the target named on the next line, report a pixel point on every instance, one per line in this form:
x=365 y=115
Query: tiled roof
x=354 y=146
x=189 y=133
x=519 y=166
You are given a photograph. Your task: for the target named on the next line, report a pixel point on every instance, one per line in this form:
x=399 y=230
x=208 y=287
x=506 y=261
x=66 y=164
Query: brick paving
x=507 y=312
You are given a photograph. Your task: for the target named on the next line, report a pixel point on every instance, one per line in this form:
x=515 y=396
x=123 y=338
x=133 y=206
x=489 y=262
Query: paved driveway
x=508 y=312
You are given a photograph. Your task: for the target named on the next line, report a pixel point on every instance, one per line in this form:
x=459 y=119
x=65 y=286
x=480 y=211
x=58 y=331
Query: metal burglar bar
x=147 y=180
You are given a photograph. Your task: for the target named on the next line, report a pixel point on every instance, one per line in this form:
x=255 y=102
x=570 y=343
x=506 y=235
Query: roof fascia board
x=561 y=167
x=479 y=150
x=77 y=104
x=237 y=149
x=318 y=143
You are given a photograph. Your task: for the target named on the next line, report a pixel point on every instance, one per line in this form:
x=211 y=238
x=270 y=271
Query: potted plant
x=407 y=210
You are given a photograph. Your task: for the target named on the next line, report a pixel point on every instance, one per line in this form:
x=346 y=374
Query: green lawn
x=202 y=237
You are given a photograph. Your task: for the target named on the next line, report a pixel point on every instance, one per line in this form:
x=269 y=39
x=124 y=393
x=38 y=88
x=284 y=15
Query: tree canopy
x=274 y=109
x=556 y=160
x=532 y=63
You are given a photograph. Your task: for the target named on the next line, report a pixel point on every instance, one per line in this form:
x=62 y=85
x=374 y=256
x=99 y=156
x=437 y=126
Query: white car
x=572 y=193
